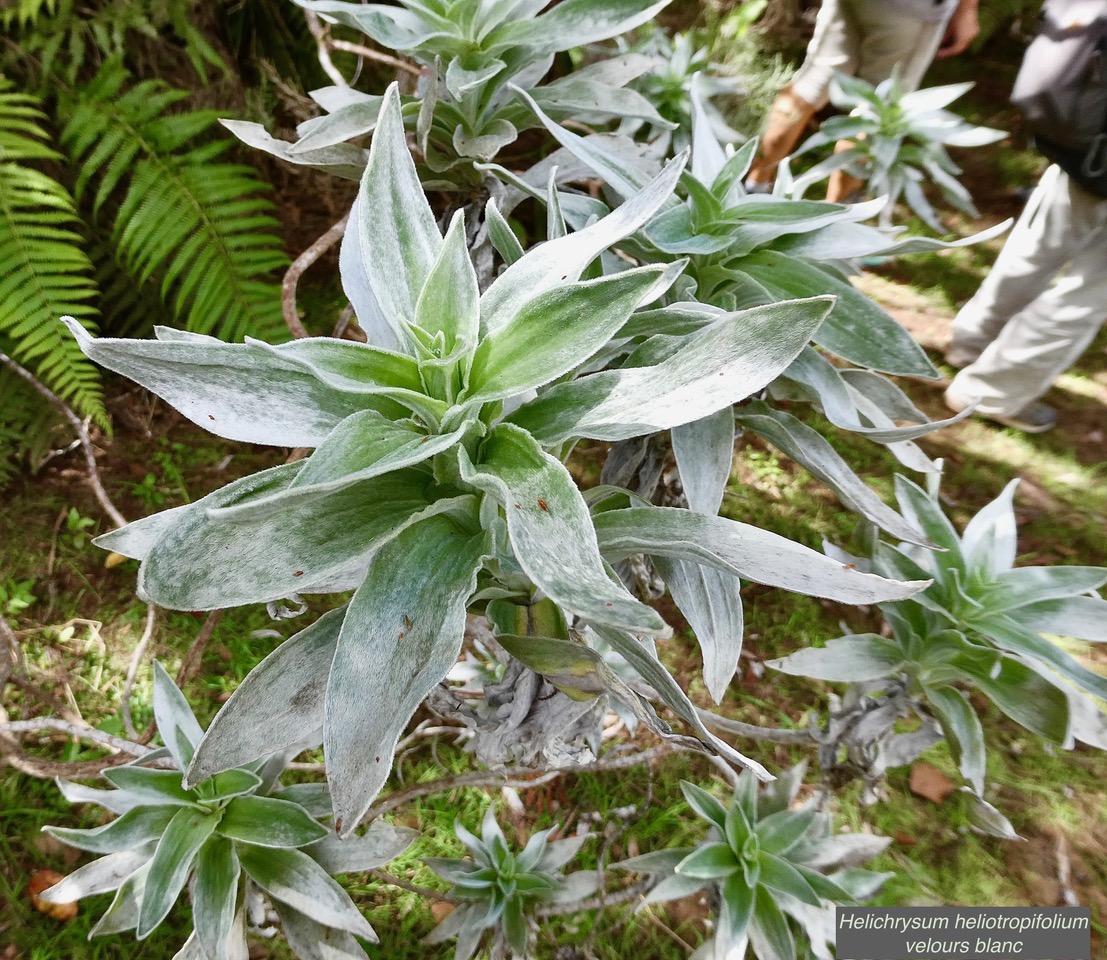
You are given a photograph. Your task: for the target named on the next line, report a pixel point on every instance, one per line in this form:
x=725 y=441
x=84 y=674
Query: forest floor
x=80 y=620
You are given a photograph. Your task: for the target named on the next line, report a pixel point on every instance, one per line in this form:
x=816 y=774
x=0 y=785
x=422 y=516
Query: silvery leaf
x=176 y=722
x=314 y=941
x=100 y=876
x=380 y=843
x=646 y=664
x=555 y=262
x=744 y=551
x=278 y=554
x=269 y=822
x=399 y=238
x=280 y=701
x=704 y=451
x=114 y=800
x=401 y=634
x=133 y=828
x=555 y=332
x=551 y=530
x=230 y=389
x=809 y=448
x=737 y=355
x=710 y=602
x=574 y=23
x=185 y=834
x=293 y=878
x=215 y=895
x=849 y=659
x=342 y=159
x=990 y=540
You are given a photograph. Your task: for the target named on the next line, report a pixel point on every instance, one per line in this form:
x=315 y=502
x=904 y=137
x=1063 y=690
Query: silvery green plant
x=982 y=624
x=436 y=482
x=775 y=868
x=743 y=250
x=470 y=51
x=499 y=888
x=232 y=839
x=898 y=142
x=675 y=61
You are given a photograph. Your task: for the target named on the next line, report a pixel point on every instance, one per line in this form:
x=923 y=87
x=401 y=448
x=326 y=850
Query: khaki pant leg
x=835 y=46
x=1049 y=333
x=1055 y=225
x=890 y=38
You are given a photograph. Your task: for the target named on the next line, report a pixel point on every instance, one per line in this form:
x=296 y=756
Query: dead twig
x=132 y=672
x=521 y=778
x=191 y=662
x=610 y=898
x=82 y=434
x=385 y=877
x=294 y=272
x=322 y=48
x=75 y=730
x=376 y=55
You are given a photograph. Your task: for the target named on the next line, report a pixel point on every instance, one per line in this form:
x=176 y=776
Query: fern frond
x=29 y=427
x=201 y=228
x=44 y=272
x=23 y=12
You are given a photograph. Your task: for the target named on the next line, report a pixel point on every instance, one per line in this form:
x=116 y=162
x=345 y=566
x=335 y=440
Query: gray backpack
x=1061 y=89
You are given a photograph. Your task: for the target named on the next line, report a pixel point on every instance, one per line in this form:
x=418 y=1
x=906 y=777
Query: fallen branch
x=74 y=730
x=82 y=434
x=294 y=272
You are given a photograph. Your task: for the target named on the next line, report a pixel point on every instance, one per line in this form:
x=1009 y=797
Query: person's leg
x=889 y=39
x=1054 y=227
x=1040 y=343
x=833 y=47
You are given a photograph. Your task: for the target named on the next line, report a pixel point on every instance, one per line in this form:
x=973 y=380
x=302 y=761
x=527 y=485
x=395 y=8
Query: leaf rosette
x=436 y=481
x=775 y=864
x=235 y=836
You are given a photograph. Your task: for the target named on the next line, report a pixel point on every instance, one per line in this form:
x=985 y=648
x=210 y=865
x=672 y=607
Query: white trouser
x=867 y=39
x=1028 y=332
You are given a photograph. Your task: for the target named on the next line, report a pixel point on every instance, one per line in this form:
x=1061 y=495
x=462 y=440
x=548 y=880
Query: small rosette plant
x=234 y=836
x=500 y=888
x=898 y=141
x=983 y=623
x=775 y=868
x=469 y=53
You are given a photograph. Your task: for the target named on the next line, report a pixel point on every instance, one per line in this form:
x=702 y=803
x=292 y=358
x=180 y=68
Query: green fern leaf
x=44 y=272
x=198 y=227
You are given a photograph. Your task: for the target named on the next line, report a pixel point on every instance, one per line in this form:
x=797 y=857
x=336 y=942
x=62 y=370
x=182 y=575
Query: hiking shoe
x=1033 y=418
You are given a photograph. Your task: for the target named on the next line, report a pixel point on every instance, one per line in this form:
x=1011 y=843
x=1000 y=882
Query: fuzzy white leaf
x=744 y=551
x=401 y=635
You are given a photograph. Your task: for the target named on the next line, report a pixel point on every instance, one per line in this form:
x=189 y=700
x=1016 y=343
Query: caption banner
x=963 y=933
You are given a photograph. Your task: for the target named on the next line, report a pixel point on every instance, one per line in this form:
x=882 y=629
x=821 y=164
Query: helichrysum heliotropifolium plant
x=231 y=835
x=982 y=623
x=499 y=888
x=436 y=483
x=774 y=867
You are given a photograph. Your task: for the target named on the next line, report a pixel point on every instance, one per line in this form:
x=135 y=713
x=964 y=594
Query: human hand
x=963 y=28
